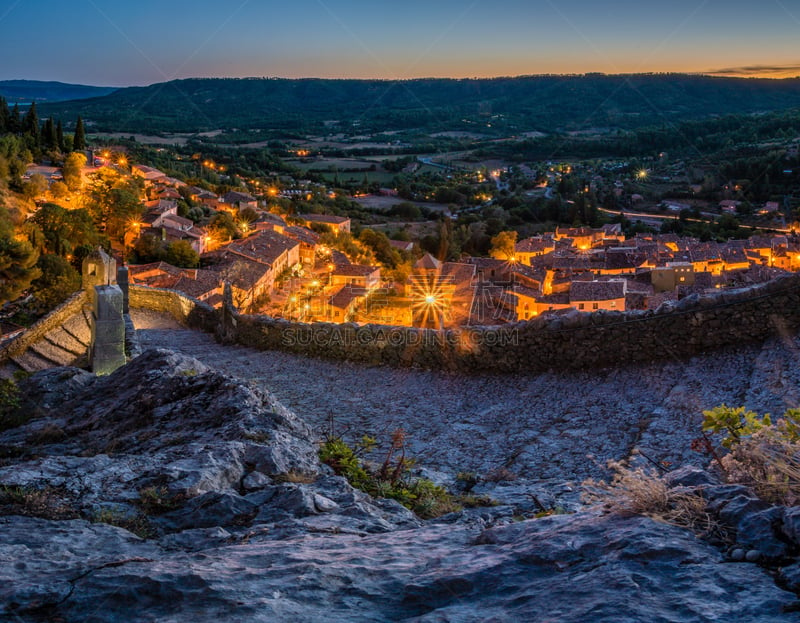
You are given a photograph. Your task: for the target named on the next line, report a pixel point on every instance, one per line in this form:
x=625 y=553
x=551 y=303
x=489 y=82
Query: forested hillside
x=537 y=102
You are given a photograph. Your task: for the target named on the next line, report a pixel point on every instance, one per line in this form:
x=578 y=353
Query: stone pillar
x=108 y=330
x=226 y=328
x=123 y=283
x=98 y=269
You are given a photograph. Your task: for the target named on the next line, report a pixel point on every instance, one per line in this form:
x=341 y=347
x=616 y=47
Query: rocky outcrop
x=168 y=491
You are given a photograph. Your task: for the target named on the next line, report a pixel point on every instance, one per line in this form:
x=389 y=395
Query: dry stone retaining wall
x=56 y=318
x=692 y=326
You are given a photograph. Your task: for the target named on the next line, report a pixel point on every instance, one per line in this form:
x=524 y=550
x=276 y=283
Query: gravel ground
x=552 y=427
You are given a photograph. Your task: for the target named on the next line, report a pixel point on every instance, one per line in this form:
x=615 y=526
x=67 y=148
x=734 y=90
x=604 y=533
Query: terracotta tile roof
x=597 y=290
x=266 y=246
x=324 y=218
x=355 y=270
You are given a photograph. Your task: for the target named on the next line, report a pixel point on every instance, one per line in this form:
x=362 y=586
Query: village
x=281 y=267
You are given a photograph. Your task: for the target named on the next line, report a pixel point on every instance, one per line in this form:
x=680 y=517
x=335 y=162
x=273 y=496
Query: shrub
x=762 y=454
x=643 y=492
x=10 y=399
x=391 y=479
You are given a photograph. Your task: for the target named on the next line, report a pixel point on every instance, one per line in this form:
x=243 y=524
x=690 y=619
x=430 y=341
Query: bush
x=391 y=479
x=762 y=454
x=10 y=400
x=642 y=492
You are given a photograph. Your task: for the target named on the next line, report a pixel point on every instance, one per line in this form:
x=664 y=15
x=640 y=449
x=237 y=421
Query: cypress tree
x=60 y=136
x=49 y=139
x=79 y=142
x=15 y=125
x=5 y=116
x=30 y=123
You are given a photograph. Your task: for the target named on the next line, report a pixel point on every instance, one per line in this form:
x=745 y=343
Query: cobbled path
x=545 y=427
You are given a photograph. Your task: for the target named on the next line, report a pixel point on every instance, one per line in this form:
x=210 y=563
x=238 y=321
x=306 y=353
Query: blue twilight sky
x=137 y=42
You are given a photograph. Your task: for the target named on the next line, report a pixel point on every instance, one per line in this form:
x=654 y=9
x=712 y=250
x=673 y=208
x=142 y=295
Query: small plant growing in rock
x=391 y=479
x=157 y=500
x=10 y=400
x=762 y=454
x=138 y=525
x=643 y=492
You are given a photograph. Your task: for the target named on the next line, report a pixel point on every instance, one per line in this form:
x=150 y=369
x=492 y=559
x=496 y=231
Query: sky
x=147 y=41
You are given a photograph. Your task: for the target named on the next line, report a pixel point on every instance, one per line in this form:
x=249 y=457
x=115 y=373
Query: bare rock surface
x=169 y=491
x=554 y=427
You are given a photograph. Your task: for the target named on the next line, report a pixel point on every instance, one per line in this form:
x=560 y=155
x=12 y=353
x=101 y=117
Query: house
x=770 y=207
x=308 y=240
x=582 y=238
x=596 y=295
x=525 y=250
x=268 y=220
x=729 y=206
x=366 y=277
x=268 y=247
x=203 y=285
x=337 y=224
x=239 y=200
x=203 y=197
x=667 y=278
x=148 y=174
x=402 y=245
x=343 y=301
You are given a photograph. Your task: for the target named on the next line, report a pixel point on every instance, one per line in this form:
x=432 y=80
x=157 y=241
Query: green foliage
x=158 y=500
x=180 y=253
x=736 y=422
x=533 y=102
x=138 y=524
x=72 y=170
x=503 y=245
x=762 y=454
x=10 y=400
x=391 y=480
x=58 y=281
x=64 y=230
x=17 y=263
x=79 y=140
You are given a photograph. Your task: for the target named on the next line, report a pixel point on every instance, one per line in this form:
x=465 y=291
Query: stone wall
x=695 y=325
x=70 y=307
x=186 y=310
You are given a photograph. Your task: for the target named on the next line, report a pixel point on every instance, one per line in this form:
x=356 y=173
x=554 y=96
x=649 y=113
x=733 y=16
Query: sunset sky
x=147 y=41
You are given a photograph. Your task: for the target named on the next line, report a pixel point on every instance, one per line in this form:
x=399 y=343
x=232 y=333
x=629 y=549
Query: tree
x=30 y=124
x=5 y=116
x=60 y=136
x=114 y=203
x=503 y=245
x=57 y=282
x=65 y=230
x=17 y=263
x=15 y=120
x=384 y=252
x=49 y=137
x=79 y=141
x=180 y=253
x=73 y=165
x=35 y=187
x=221 y=227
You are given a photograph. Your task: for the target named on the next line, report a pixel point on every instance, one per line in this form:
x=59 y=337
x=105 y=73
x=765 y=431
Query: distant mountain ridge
x=27 y=91
x=533 y=102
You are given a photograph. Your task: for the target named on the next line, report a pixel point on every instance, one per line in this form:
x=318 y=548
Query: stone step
x=31 y=362
x=79 y=328
x=55 y=354
x=66 y=341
